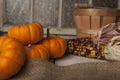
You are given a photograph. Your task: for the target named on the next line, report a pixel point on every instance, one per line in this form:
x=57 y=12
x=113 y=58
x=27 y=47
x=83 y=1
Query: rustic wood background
x=46 y=11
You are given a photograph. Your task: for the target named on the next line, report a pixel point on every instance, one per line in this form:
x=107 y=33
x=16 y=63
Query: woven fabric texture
x=38 y=69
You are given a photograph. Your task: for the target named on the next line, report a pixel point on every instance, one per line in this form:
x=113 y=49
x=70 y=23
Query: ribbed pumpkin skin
x=37 y=51
x=27 y=34
x=56 y=46
x=12 y=57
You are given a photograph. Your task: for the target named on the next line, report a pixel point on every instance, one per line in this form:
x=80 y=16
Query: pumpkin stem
x=29 y=45
x=48 y=33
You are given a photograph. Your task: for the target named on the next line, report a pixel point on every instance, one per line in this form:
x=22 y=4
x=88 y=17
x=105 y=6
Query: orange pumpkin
x=56 y=46
x=12 y=57
x=27 y=34
x=37 y=51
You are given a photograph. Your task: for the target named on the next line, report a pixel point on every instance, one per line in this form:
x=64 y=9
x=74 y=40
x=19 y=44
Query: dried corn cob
x=85 y=47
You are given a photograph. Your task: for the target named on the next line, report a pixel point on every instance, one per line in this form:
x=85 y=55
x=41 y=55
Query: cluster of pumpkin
x=27 y=40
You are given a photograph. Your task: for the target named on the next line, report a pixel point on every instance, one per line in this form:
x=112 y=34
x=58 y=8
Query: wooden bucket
x=89 y=20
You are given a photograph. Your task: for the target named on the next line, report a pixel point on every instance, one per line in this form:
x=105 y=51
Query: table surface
x=74 y=59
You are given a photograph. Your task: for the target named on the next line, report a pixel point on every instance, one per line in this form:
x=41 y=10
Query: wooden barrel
x=89 y=20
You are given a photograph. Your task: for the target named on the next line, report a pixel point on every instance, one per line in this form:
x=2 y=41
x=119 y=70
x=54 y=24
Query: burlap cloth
x=38 y=69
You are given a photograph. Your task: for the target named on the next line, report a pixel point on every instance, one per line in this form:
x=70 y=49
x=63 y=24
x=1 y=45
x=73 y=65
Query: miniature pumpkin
x=27 y=34
x=56 y=46
x=37 y=51
x=12 y=57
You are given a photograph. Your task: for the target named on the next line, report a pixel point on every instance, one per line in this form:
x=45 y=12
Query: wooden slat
x=101 y=21
x=60 y=14
x=31 y=10
x=1 y=12
x=108 y=20
x=97 y=12
x=95 y=22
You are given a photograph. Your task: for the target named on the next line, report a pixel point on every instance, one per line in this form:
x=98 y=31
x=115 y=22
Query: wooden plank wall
x=1 y=12
x=17 y=11
x=45 y=11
